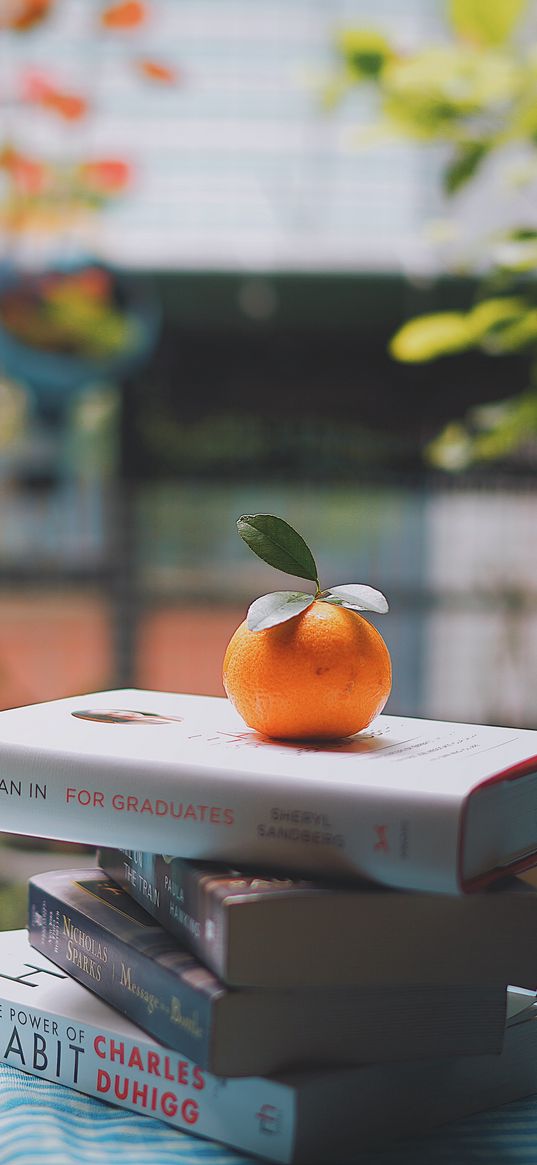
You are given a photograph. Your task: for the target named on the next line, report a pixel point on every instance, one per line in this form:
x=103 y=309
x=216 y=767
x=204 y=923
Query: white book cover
x=419 y=804
x=53 y=1027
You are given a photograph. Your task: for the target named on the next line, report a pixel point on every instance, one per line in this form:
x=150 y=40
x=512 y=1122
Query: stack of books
x=344 y=951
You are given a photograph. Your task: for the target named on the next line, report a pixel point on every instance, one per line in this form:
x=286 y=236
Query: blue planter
x=53 y=376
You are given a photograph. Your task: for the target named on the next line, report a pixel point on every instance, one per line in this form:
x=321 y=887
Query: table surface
x=45 y=1123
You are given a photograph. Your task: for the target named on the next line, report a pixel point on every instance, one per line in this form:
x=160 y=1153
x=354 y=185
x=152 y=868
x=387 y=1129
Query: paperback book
x=261 y=931
x=93 y=930
x=53 y=1028
x=418 y=804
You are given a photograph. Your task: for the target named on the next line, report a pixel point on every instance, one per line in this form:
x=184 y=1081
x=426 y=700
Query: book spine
x=251 y=1114
x=307 y=827
x=172 y=892
x=151 y=995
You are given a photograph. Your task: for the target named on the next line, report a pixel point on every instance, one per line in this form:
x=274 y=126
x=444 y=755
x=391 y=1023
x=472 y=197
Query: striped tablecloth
x=44 y=1124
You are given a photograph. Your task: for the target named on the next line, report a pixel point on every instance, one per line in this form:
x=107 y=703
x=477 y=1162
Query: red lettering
x=153 y=1063
x=85 y=797
x=117 y=1051
x=189 y=1111
x=198 y=1079
x=139 y=1094
x=121 y=1092
x=103 y=1081
x=99 y=1045
x=182 y=1072
x=382 y=838
x=168 y=1103
x=135 y=1059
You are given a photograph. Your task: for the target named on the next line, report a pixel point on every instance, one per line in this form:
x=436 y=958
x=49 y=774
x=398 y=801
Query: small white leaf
x=277 y=608
x=359 y=598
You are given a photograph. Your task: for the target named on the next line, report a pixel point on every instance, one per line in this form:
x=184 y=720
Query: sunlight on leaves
x=485 y=22
x=452 y=449
x=431 y=94
x=430 y=336
x=472 y=98
x=521 y=333
x=490 y=312
x=488 y=433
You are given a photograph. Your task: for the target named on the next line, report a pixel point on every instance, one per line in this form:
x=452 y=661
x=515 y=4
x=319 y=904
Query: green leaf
x=430 y=336
x=358 y=598
x=522 y=234
x=491 y=314
x=452 y=449
x=445 y=333
x=365 y=51
x=485 y=22
x=464 y=165
x=487 y=433
x=278 y=544
x=277 y=608
x=517 y=335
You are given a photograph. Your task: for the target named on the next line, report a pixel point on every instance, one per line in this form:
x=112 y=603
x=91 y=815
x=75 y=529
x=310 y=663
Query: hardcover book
x=53 y=1028
x=418 y=804
x=261 y=931
x=90 y=928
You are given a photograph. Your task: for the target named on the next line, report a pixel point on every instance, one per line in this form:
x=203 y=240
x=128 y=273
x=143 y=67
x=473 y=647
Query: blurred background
x=271 y=257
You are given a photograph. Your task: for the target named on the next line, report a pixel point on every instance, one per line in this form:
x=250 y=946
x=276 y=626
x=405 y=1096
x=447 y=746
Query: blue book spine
x=151 y=994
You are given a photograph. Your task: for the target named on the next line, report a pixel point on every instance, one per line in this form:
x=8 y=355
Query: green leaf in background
x=464 y=165
x=517 y=335
x=445 y=333
x=485 y=22
x=490 y=314
x=365 y=52
x=450 y=93
x=452 y=449
x=277 y=608
x=358 y=598
x=473 y=94
x=488 y=432
x=427 y=337
x=278 y=544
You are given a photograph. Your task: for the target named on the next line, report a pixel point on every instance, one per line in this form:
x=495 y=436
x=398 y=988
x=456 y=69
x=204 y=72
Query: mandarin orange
x=324 y=674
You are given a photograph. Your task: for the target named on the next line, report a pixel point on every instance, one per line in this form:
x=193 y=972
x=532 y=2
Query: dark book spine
x=177 y=894
x=149 y=994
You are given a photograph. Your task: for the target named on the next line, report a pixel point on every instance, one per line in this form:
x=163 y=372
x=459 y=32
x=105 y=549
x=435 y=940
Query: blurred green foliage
x=13 y=906
x=475 y=96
